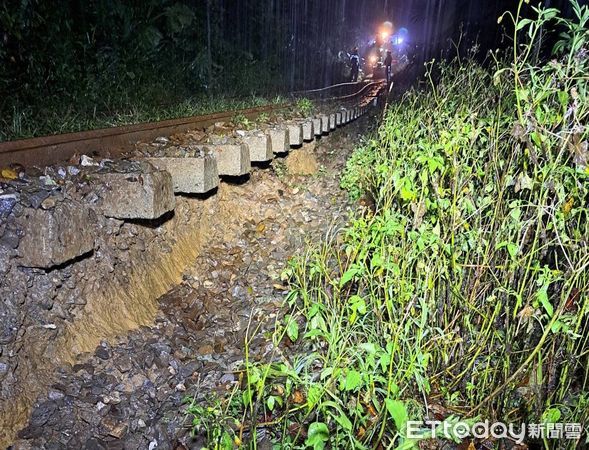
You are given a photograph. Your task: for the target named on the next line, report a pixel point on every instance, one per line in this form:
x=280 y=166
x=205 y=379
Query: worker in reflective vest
x=355 y=62
x=388 y=64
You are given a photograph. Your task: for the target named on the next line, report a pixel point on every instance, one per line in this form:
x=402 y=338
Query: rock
x=113 y=428
x=102 y=352
x=52 y=238
x=7 y=202
x=37 y=198
x=206 y=350
x=49 y=203
x=41 y=414
x=55 y=395
x=10 y=239
x=86 y=161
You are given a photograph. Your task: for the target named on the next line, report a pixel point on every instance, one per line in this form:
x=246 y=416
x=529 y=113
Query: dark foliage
x=103 y=58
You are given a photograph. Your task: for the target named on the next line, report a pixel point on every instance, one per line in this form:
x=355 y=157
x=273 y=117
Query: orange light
x=384 y=35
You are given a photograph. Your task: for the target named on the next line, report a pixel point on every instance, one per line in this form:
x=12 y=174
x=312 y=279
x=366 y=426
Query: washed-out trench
x=171 y=320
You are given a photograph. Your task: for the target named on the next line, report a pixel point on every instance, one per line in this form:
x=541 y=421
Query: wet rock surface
x=128 y=392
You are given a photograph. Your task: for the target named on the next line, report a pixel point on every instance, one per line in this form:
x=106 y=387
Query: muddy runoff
x=166 y=308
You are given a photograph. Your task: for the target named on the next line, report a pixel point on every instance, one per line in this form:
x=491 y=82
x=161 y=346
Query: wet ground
x=128 y=393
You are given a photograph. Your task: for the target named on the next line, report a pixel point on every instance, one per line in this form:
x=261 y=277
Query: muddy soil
x=128 y=393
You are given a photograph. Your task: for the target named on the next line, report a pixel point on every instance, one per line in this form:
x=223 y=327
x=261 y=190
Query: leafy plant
x=305 y=107
x=465 y=293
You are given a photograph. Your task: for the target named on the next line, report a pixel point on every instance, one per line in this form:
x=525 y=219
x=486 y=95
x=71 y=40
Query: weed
x=305 y=107
x=465 y=293
x=280 y=169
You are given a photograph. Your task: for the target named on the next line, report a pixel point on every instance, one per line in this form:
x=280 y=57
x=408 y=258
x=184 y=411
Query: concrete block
x=308 y=130
x=332 y=124
x=232 y=159
x=295 y=134
x=55 y=236
x=338 y=119
x=324 y=124
x=136 y=195
x=317 y=126
x=280 y=139
x=260 y=146
x=196 y=175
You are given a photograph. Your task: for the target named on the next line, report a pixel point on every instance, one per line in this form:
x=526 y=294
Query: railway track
x=111 y=142
x=57 y=224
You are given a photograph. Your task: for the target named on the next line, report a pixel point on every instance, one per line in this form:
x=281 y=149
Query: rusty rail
x=109 y=142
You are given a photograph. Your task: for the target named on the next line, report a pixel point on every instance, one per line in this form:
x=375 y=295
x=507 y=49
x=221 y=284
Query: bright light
x=384 y=35
x=400 y=40
x=373 y=59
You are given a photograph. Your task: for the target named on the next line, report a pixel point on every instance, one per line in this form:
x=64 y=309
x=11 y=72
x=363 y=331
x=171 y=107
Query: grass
x=464 y=294
x=26 y=122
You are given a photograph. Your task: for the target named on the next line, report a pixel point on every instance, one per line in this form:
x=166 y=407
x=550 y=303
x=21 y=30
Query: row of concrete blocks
x=149 y=194
x=200 y=175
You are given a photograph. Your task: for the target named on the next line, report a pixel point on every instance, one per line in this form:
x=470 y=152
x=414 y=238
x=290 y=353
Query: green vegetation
x=305 y=106
x=100 y=63
x=464 y=293
x=24 y=124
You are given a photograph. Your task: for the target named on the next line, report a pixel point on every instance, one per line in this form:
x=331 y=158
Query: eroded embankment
x=65 y=313
x=68 y=311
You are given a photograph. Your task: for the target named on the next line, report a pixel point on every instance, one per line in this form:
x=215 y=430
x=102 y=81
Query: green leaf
x=368 y=347
x=542 y=297
x=348 y=276
x=523 y=23
x=227 y=441
x=317 y=435
x=512 y=249
x=563 y=98
x=314 y=395
x=551 y=415
x=353 y=380
x=292 y=329
x=271 y=402
x=343 y=420
x=398 y=412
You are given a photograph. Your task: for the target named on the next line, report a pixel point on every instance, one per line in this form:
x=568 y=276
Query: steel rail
x=111 y=142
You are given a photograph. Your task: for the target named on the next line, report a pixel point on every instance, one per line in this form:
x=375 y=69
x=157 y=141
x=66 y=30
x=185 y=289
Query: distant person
x=355 y=62
x=388 y=64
